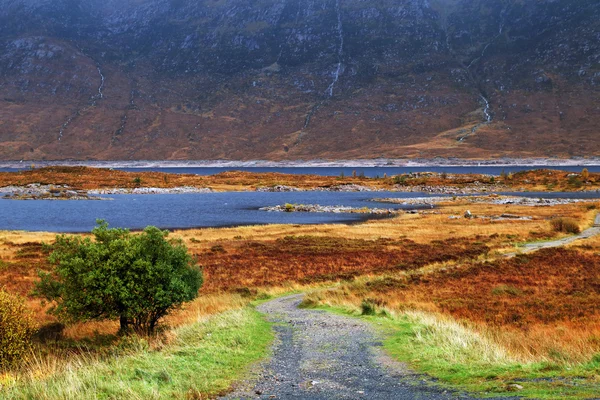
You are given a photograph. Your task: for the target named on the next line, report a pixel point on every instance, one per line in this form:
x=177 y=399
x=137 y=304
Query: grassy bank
x=197 y=360
x=468 y=360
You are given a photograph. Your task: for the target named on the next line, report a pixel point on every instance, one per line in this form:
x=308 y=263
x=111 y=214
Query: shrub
x=566 y=225
x=218 y=248
x=368 y=307
x=575 y=182
x=507 y=290
x=16 y=329
x=137 y=279
x=399 y=179
x=585 y=175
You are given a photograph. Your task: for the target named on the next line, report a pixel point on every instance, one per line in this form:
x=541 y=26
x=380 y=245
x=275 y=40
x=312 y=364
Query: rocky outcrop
x=45 y=192
x=152 y=190
x=491 y=199
x=316 y=208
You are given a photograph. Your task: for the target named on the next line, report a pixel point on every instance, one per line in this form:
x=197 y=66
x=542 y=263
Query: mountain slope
x=291 y=79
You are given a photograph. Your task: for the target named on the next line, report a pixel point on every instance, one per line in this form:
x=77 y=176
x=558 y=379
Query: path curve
x=320 y=355
x=588 y=233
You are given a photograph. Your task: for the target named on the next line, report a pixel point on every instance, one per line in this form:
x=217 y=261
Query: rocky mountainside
x=298 y=79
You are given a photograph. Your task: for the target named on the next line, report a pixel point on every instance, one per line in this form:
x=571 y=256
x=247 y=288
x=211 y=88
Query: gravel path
x=319 y=355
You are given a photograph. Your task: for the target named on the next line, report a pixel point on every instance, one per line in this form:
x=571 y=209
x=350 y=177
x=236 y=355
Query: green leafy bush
x=16 y=329
x=136 y=278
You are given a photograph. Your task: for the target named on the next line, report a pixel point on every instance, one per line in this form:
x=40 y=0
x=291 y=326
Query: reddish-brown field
x=247 y=265
x=311 y=259
x=553 y=285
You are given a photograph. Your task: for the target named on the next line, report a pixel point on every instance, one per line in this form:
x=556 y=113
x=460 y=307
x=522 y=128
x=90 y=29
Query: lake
x=198 y=210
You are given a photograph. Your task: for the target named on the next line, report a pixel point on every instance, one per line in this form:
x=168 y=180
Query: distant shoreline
x=375 y=163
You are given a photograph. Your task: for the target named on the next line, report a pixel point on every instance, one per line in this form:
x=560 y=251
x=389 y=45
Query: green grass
x=462 y=360
x=203 y=360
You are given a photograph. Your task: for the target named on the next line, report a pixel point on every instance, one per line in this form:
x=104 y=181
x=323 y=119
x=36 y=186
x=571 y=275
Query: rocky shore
x=45 y=192
x=337 y=188
x=472 y=188
x=491 y=199
x=38 y=191
x=316 y=208
x=152 y=190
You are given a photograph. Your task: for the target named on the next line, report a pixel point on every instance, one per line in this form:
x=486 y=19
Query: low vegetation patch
x=16 y=329
x=470 y=359
x=195 y=361
x=566 y=225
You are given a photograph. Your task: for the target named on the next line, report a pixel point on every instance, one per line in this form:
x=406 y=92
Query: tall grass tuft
x=566 y=225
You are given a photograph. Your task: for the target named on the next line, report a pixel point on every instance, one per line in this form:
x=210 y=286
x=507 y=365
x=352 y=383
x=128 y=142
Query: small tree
x=136 y=278
x=585 y=175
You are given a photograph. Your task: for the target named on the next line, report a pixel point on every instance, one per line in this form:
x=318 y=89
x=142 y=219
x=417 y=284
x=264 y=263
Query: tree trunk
x=124 y=321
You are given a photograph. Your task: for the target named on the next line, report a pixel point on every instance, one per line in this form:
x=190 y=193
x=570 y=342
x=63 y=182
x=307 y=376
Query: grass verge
x=465 y=360
x=201 y=360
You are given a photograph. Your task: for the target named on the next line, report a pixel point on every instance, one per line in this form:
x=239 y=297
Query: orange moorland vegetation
x=541 y=304
x=246 y=265
x=98 y=178
x=310 y=259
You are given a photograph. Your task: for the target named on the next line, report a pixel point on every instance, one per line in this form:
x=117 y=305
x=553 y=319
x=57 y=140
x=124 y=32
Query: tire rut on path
x=319 y=355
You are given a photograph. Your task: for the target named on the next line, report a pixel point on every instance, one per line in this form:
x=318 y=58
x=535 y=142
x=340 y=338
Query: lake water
x=367 y=171
x=197 y=210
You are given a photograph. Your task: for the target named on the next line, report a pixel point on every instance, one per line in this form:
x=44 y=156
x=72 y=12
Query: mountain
x=298 y=79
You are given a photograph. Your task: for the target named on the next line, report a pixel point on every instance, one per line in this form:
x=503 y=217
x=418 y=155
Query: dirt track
x=319 y=355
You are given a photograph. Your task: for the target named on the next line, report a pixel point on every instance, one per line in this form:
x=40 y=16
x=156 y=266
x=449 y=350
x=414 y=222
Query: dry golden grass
x=420 y=228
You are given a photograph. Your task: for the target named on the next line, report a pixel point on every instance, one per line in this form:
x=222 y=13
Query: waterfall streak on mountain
x=100 y=94
x=486 y=109
x=340 y=30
